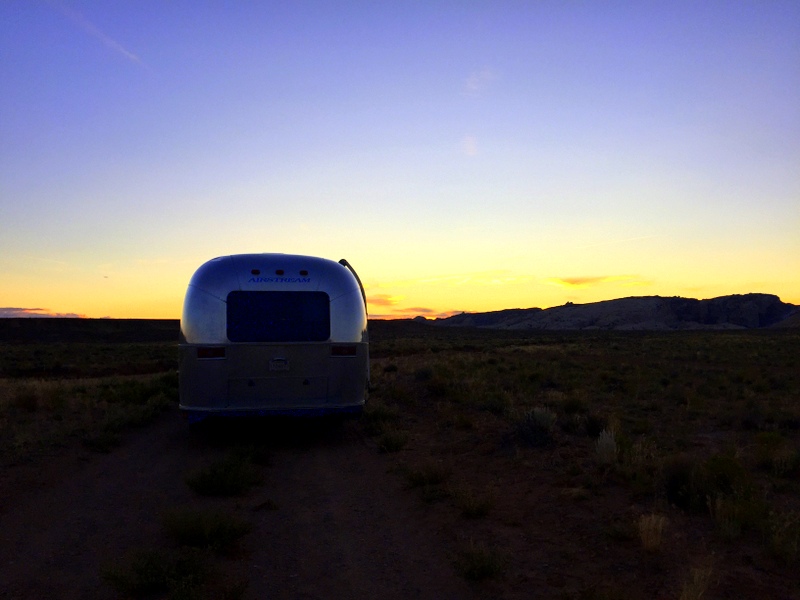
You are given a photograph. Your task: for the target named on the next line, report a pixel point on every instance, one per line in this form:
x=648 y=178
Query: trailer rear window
x=278 y=316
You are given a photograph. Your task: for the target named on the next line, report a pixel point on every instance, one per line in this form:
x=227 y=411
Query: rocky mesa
x=654 y=313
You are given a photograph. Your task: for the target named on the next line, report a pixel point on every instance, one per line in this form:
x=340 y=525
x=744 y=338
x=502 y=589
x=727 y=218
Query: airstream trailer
x=265 y=334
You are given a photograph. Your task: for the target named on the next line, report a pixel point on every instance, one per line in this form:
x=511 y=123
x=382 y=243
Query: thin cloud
x=584 y=282
x=418 y=310
x=622 y=241
x=487 y=278
x=478 y=81
x=88 y=27
x=47 y=260
x=469 y=145
x=483 y=278
x=9 y=312
x=383 y=299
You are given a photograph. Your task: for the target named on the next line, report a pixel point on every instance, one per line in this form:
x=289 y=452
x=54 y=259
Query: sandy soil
x=337 y=525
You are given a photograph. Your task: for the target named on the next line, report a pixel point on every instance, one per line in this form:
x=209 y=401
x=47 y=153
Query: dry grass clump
x=651 y=528
x=392 y=440
x=232 y=475
x=696 y=585
x=150 y=572
x=478 y=562
x=606 y=448
x=377 y=416
x=426 y=474
x=471 y=504
x=534 y=427
x=213 y=530
x=180 y=574
x=775 y=454
x=784 y=536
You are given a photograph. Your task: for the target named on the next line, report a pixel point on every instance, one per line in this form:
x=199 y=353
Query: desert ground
x=487 y=464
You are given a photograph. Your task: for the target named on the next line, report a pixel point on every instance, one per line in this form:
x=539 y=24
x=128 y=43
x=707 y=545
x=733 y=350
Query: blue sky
x=461 y=155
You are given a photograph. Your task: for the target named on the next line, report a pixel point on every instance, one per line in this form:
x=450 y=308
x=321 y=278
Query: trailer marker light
x=343 y=350
x=303 y=272
x=204 y=352
x=278 y=271
x=256 y=272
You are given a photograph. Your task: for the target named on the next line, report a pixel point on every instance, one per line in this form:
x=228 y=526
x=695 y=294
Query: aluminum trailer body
x=269 y=334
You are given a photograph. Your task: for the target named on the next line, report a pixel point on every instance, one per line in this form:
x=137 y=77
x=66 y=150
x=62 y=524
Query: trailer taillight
x=211 y=352
x=343 y=350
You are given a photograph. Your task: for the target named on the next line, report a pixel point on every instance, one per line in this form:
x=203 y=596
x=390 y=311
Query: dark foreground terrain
x=489 y=464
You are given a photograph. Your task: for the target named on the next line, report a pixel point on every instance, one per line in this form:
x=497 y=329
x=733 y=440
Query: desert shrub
x=755 y=416
x=595 y=424
x=642 y=457
x=119 y=417
x=640 y=426
x=231 y=476
x=479 y=562
x=426 y=474
x=603 y=591
x=606 y=449
x=423 y=374
x=216 y=531
x=621 y=530
x=135 y=414
x=258 y=454
x=25 y=399
x=651 y=528
x=722 y=474
x=722 y=486
x=640 y=466
x=497 y=402
x=786 y=462
x=574 y=404
x=678 y=487
x=573 y=423
x=439 y=386
x=102 y=441
x=392 y=440
x=376 y=416
x=734 y=513
x=471 y=505
x=696 y=584
x=775 y=454
x=428 y=479
x=784 y=536
x=148 y=573
x=534 y=427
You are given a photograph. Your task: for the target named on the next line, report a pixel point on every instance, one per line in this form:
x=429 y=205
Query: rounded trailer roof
x=285 y=272
x=204 y=314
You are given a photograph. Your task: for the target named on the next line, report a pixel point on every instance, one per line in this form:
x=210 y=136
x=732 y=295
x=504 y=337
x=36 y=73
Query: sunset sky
x=463 y=156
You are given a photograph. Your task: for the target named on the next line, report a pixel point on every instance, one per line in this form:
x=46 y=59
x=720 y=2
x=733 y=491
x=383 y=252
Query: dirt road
x=328 y=520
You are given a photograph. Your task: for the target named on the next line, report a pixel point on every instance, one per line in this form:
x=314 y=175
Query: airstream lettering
x=294 y=345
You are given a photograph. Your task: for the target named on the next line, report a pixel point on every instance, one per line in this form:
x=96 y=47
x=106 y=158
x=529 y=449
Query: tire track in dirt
x=344 y=528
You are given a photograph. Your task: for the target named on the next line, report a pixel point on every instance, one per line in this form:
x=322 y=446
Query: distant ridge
x=644 y=313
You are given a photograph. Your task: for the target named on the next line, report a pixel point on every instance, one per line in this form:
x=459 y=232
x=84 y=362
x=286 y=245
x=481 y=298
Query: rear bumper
x=196 y=415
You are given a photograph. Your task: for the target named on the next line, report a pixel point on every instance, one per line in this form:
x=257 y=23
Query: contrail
x=89 y=28
x=633 y=239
